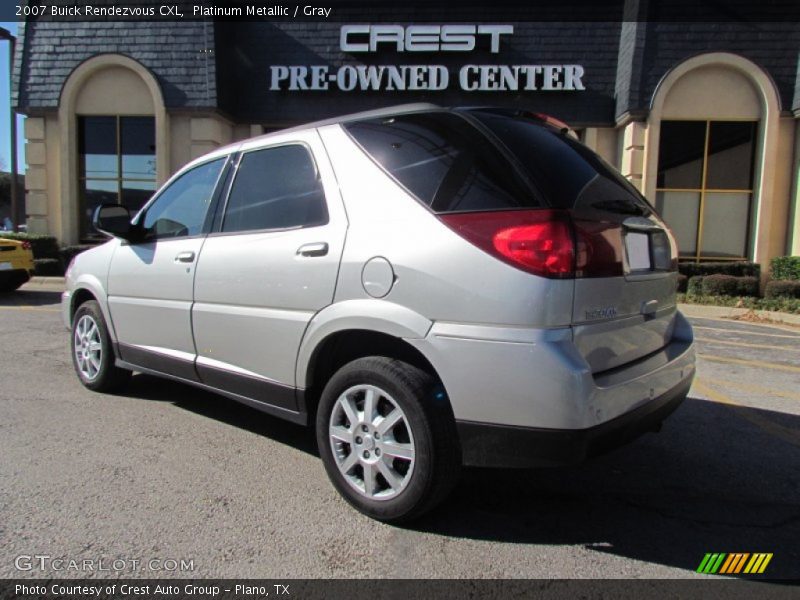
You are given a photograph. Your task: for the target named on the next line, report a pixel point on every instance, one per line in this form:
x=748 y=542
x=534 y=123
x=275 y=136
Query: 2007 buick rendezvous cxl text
x=433 y=287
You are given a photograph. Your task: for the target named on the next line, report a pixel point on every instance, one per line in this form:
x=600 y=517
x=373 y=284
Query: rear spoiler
x=544 y=118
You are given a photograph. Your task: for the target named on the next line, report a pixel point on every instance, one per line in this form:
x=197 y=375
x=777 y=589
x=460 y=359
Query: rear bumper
x=489 y=445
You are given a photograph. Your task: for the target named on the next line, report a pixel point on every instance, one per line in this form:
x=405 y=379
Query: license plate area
x=637 y=250
x=5 y=266
x=647 y=252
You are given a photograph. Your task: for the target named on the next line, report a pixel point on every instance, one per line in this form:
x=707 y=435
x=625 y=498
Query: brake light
x=537 y=241
x=26 y=245
x=551 y=120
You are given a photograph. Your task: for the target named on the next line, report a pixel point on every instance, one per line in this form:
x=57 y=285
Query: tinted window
x=568 y=174
x=705 y=181
x=117 y=164
x=731 y=155
x=276 y=188
x=181 y=208
x=680 y=154
x=444 y=161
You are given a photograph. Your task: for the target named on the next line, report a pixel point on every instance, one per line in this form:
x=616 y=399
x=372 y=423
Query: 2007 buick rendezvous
x=432 y=287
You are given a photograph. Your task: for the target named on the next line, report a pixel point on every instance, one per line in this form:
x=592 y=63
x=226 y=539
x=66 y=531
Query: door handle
x=649 y=308
x=315 y=249
x=185 y=257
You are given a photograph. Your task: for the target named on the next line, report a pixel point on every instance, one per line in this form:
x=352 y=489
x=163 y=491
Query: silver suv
x=432 y=287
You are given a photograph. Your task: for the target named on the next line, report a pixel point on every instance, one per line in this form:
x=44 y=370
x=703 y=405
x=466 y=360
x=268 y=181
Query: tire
x=356 y=450
x=13 y=281
x=92 y=354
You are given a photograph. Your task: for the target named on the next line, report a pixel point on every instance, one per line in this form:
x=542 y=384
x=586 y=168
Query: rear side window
x=445 y=161
x=564 y=170
x=276 y=188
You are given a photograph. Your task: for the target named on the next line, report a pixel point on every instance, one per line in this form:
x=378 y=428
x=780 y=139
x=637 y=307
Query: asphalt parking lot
x=166 y=472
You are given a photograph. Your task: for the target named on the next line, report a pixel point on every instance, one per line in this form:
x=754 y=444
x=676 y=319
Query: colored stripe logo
x=734 y=563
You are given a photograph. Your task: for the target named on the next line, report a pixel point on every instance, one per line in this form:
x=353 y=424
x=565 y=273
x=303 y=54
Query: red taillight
x=26 y=245
x=538 y=241
x=544 y=248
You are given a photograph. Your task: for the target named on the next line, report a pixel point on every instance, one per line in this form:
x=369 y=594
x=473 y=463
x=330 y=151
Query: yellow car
x=16 y=264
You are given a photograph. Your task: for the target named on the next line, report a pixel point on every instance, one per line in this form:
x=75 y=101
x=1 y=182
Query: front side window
x=181 y=208
x=276 y=188
x=117 y=164
x=705 y=186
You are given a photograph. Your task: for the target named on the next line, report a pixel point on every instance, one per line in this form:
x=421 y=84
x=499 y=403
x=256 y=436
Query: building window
x=116 y=163
x=705 y=186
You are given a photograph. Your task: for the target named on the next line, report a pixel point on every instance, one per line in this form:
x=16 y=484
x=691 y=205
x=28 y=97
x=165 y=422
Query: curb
x=701 y=311
x=38 y=280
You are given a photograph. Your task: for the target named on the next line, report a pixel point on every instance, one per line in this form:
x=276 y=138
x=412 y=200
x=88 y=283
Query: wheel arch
x=89 y=288
x=341 y=334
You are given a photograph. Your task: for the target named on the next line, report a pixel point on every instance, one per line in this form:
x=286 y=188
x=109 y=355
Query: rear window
x=568 y=174
x=445 y=161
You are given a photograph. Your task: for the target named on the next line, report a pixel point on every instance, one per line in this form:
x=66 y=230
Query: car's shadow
x=716 y=479
x=30 y=298
x=222 y=409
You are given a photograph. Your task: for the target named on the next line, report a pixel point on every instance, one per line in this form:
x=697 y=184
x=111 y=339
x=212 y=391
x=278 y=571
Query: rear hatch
x=524 y=191
x=626 y=258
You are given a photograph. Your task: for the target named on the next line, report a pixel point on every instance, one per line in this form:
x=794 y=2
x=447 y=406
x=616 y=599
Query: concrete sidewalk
x=37 y=283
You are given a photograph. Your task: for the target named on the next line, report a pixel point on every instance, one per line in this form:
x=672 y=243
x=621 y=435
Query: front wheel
x=387 y=438
x=92 y=355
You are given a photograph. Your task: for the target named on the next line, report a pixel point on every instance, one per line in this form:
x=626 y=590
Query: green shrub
x=43 y=246
x=782 y=289
x=48 y=267
x=70 y=252
x=747 y=286
x=785 y=267
x=720 y=285
x=694 y=287
x=735 y=269
x=727 y=285
x=682 y=283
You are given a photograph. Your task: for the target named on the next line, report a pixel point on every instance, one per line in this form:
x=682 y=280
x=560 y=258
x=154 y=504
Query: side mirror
x=113 y=220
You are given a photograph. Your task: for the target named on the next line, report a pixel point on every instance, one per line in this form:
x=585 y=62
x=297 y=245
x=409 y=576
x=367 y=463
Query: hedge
x=48 y=267
x=727 y=285
x=735 y=269
x=785 y=267
x=782 y=289
x=722 y=285
x=69 y=252
x=682 y=283
x=43 y=246
x=694 y=287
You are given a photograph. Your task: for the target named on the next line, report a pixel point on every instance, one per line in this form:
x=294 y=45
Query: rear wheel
x=387 y=438
x=92 y=355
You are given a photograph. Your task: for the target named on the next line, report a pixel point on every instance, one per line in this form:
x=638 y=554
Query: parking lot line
x=746 y=344
x=758 y=364
x=738 y=331
x=755 y=389
x=786 y=434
